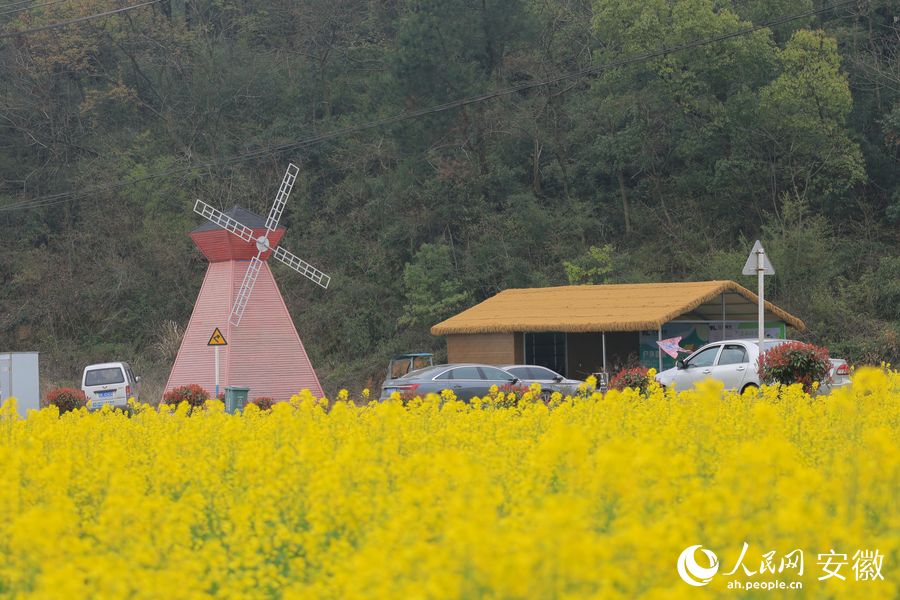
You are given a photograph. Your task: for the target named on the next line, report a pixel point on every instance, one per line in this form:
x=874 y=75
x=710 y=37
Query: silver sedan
x=465 y=380
x=550 y=381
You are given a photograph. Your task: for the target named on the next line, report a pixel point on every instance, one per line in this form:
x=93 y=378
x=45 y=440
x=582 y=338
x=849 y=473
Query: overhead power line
x=20 y=3
x=8 y=34
x=61 y=197
x=26 y=8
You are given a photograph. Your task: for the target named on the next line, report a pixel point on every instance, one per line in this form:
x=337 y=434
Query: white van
x=110 y=383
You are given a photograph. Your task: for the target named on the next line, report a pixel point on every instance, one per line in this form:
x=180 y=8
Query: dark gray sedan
x=465 y=380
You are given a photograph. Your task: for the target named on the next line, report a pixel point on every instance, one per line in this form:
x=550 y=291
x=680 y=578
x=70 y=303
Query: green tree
x=656 y=128
x=593 y=267
x=803 y=115
x=431 y=286
x=789 y=136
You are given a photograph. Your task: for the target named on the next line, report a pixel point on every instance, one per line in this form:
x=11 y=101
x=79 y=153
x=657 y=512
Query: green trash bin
x=235 y=398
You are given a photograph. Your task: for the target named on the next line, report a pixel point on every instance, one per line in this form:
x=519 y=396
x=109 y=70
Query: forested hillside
x=661 y=168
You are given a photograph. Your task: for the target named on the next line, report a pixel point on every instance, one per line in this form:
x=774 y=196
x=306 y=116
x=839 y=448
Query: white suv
x=110 y=383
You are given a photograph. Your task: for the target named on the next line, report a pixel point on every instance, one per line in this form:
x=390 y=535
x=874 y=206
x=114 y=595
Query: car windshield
x=542 y=373
x=494 y=374
x=104 y=376
x=532 y=372
x=465 y=373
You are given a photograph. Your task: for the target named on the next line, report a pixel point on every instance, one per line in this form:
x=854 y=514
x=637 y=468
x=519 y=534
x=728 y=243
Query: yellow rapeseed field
x=591 y=497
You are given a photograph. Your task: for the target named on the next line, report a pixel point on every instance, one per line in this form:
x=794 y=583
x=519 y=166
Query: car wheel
x=748 y=386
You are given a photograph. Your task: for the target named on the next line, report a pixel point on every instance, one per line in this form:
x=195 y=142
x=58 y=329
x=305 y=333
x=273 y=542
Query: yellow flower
x=583 y=497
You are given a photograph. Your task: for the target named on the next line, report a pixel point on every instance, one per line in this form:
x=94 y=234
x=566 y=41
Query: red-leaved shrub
x=794 y=362
x=66 y=399
x=635 y=377
x=192 y=393
x=263 y=402
x=517 y=388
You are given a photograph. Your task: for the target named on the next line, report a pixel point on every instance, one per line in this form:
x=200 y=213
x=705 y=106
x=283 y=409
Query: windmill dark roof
x=242 y=215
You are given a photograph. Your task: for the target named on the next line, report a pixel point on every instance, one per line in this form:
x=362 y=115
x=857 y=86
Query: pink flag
x=671 y=347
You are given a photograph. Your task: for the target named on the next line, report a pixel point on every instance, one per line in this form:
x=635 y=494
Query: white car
x=838 y=376
x=733 y=362
x=110 y=383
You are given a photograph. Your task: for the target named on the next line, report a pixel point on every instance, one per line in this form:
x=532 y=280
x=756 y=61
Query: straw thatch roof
x=595 y=308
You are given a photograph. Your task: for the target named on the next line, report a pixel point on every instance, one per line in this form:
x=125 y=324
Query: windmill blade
x=287 y=184
x=243 y=296
x=302 y=267
x=223 y=220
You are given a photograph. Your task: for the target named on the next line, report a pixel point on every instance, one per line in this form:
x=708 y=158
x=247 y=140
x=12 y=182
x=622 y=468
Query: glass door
x=547 y=350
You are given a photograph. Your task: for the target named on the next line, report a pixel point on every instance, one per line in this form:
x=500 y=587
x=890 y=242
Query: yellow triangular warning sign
x=217 y=339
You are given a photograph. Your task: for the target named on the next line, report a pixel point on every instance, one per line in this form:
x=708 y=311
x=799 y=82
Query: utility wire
x=20 y=3
x=7 y=34
x=61 y=197
x=33 y=6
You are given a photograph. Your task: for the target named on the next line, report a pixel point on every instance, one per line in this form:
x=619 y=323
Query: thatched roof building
x=567 y=327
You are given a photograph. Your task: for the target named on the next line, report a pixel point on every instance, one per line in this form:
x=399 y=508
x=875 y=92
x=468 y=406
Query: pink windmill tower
x=261 y=347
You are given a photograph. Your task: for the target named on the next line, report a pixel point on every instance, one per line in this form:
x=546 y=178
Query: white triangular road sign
x=750 y=267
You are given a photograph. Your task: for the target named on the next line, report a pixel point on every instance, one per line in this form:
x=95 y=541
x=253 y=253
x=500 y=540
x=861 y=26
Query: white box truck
x=19 y=378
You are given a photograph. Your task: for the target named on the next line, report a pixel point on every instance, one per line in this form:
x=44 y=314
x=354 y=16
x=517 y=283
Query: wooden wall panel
x=488 y=348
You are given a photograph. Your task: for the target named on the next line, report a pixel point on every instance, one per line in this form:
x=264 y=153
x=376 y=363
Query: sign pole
x=604 y=352
x=759 y=263
x=760 y=272
x=216 y=340
x=659 y=349
x=217 y=371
